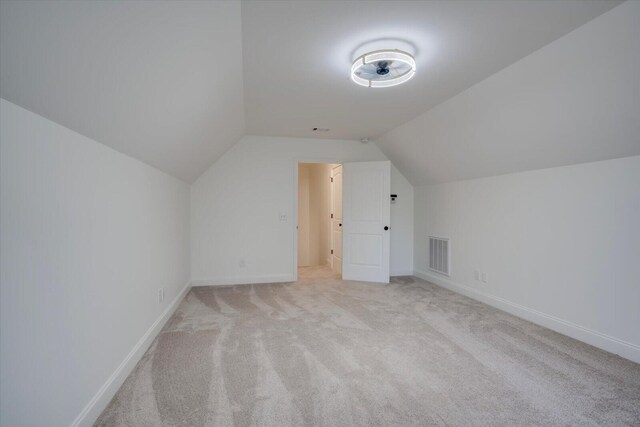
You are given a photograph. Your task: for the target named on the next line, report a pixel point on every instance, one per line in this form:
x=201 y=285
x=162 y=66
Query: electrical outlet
x=241 y=263
x=485 y=277
x=283 y=217
x=476 y=274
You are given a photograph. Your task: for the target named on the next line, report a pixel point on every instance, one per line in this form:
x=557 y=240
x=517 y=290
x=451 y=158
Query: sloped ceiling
x=297 y=56
x=159 y=81
x=576 y=100
x=172 y=83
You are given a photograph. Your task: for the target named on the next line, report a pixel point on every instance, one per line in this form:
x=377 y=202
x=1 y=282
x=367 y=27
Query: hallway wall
x=314 y=209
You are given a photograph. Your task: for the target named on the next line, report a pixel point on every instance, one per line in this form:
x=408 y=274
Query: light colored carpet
x=324 y=352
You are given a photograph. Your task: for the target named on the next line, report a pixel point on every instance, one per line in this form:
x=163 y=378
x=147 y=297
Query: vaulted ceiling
x=159 y=81
x=175 y=84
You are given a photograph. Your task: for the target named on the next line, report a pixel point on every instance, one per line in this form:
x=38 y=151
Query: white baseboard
x=99 y=402
x=242 y=280
x=402 y=273
x=597 y=339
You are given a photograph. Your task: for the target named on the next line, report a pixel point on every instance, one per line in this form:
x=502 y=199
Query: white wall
x=88 y=235
x=236 y=205
x=561 y=246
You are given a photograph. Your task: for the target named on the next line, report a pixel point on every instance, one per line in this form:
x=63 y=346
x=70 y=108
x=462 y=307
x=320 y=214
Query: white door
x=366 y=217
x=303 y=216
x=336 y=219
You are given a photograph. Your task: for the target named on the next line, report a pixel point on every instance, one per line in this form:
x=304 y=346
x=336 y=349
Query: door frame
x=294 y=224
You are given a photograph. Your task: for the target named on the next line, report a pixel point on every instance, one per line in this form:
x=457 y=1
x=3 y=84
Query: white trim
x=101 y=399
x=597 y=339
x=243 y=280
x=402 y=273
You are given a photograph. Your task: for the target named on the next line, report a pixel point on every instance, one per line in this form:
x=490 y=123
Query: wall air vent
x=439 y=255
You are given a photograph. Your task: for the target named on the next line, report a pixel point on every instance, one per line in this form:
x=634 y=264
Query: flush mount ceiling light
x=383 y=68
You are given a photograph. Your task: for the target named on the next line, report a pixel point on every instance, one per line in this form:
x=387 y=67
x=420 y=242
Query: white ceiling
x=297 y=57
x=159 y=81
x=173 y=83
x=576 y=100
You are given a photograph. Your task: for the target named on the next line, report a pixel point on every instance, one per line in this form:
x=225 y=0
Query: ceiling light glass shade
x=383 y=68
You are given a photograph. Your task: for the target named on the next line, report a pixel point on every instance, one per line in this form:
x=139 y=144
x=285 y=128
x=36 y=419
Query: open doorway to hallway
x=320 y=215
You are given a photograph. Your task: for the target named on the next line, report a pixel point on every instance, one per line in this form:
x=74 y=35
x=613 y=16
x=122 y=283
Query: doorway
x=343 y=225
x=320 y=216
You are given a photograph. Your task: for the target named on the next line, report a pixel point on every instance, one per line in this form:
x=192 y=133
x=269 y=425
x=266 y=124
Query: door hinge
x=331 y=179
x=331 y=251
x=331 y=215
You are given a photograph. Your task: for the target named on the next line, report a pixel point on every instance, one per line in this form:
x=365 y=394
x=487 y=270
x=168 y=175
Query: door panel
x=303 y=216
x=366 y=249
x=337 y=195
x=367 y=211
x=366 y=205
x=336 y=221
x=337 y=238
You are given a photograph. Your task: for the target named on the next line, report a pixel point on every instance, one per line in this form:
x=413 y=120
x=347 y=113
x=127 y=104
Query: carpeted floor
x=324 y=352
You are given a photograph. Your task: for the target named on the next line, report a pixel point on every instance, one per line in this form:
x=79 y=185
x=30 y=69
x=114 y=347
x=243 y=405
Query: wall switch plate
x=283 y=217
x=476 y=275
x=485 y=277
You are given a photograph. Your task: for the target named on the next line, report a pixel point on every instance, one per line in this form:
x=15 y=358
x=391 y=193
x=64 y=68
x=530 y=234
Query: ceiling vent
x=439 y=255
x=321 y=129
